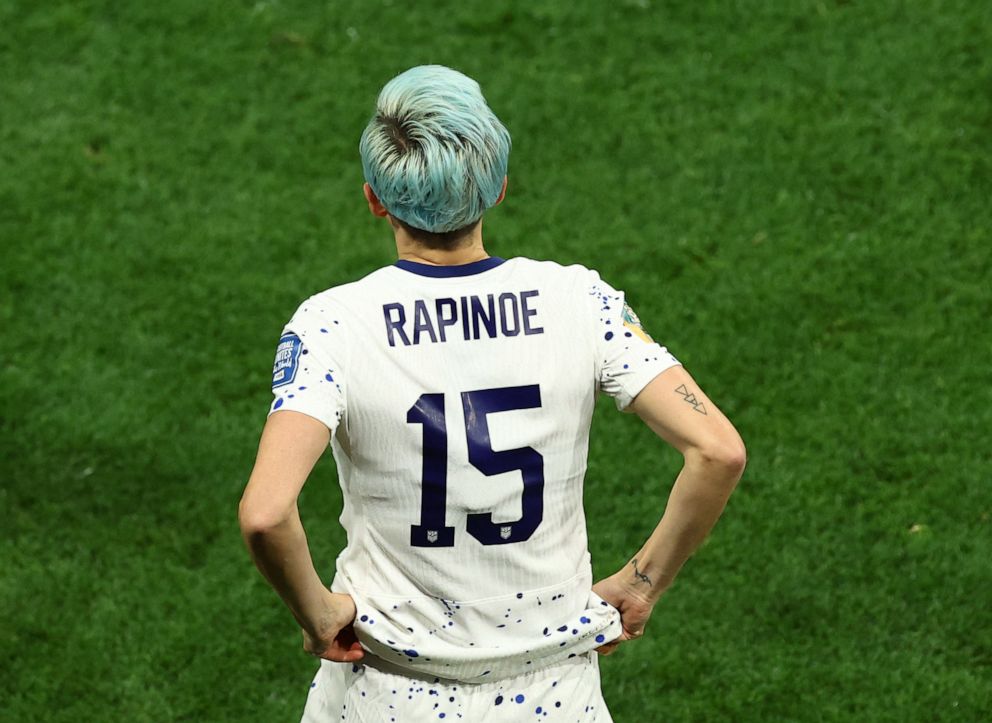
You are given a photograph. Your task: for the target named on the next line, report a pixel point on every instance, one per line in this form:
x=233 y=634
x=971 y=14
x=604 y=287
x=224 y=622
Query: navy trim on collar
x=444 y=272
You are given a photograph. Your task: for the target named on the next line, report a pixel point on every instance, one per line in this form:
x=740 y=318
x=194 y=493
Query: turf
x=794 y=195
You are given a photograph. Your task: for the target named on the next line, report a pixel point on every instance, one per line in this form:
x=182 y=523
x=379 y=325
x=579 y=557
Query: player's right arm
x=679 y=412
x=270 y=524
x=309 y=403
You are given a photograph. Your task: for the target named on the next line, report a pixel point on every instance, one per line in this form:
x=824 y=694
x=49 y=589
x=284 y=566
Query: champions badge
x=287 y=360
x=631 y=321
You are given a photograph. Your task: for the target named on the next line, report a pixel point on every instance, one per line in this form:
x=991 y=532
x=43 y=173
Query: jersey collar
x=443 y=272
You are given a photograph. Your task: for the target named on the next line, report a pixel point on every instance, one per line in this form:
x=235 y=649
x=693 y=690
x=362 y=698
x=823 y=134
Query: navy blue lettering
x=505 y=314
x=508 y=316
x=432 y=532
x=528 y=329
x=441 y=320
x=479 y=314
x=464 y=304
x=477 y=406
x=422 y=322
x=395 y=324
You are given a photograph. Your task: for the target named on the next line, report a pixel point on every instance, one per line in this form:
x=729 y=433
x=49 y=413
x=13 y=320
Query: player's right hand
x=332 y=635
x=634 y=609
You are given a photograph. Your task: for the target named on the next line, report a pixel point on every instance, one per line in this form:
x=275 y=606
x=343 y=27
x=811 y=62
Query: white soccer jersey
x=459 y=400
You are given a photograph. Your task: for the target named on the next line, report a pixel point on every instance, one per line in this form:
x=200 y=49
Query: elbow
x=250 y=520
x=728 y=456
x=257 y=519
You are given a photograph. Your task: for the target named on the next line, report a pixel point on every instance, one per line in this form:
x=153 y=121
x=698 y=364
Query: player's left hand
x=332 y=636
x=633 y=607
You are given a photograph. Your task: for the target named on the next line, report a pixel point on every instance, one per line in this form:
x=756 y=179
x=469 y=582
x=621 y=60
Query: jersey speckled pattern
x=459 y=400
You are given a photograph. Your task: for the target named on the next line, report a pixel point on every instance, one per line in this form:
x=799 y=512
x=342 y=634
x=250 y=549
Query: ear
x=502 y=193
x=375 y=205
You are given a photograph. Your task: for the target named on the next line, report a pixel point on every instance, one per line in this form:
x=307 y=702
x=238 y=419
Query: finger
x=343 y=653
x=343 y=656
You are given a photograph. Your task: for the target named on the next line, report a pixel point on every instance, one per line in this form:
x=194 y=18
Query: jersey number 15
x=429 y=411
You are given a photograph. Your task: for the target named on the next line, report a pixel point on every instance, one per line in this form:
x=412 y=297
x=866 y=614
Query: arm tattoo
x=690 y=398
x=640 y=576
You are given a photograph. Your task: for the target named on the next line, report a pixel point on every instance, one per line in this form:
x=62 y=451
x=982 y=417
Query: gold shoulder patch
x=633 y=323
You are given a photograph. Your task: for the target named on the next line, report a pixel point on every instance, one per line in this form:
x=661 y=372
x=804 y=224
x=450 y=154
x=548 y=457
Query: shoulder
x=323 y=319
x=377 y=279
x=334 y=300
x=571 y=274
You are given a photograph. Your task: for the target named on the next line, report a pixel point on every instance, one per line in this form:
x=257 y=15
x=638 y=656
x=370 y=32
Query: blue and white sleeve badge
x=287 y=360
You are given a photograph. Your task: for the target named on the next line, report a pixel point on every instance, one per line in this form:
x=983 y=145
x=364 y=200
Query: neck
x=468 y=250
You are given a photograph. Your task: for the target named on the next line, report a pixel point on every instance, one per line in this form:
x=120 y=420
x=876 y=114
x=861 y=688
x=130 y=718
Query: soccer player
x=456 y=390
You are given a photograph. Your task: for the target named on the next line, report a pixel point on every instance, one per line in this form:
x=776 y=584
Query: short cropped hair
x=434 y=153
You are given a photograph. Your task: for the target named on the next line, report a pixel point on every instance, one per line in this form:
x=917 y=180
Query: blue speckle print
x=609 y=335
x=601 y=638
x=519 y=698
x=277 y=404
x=411 y=653
x=499 y=700
x=584 y=620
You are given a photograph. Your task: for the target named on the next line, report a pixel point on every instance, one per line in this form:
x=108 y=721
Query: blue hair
x=434 y=152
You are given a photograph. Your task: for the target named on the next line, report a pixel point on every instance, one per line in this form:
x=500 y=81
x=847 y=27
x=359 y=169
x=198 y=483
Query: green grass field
x=795 y=196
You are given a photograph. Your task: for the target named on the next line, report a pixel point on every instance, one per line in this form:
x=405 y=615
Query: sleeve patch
x=629 y=317
x=287 y=360
x=633 y=323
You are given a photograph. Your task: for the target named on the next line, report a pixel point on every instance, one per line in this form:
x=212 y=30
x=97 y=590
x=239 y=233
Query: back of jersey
x=460 y=399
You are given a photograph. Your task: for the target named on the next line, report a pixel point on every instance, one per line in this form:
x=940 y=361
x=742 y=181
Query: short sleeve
x=627 y=357
x=306 y=375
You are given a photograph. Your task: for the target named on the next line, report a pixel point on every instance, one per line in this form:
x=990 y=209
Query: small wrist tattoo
x=640 y=576
x=690 y=398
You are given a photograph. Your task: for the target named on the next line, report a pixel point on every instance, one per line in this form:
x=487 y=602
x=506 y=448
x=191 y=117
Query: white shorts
x=564 y=693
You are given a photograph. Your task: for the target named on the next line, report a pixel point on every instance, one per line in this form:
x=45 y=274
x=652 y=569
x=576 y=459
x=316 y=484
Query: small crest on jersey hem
x=287 y=360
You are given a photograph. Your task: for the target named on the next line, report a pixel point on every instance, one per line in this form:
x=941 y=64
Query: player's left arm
x=291 y=444
x=677 y=410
